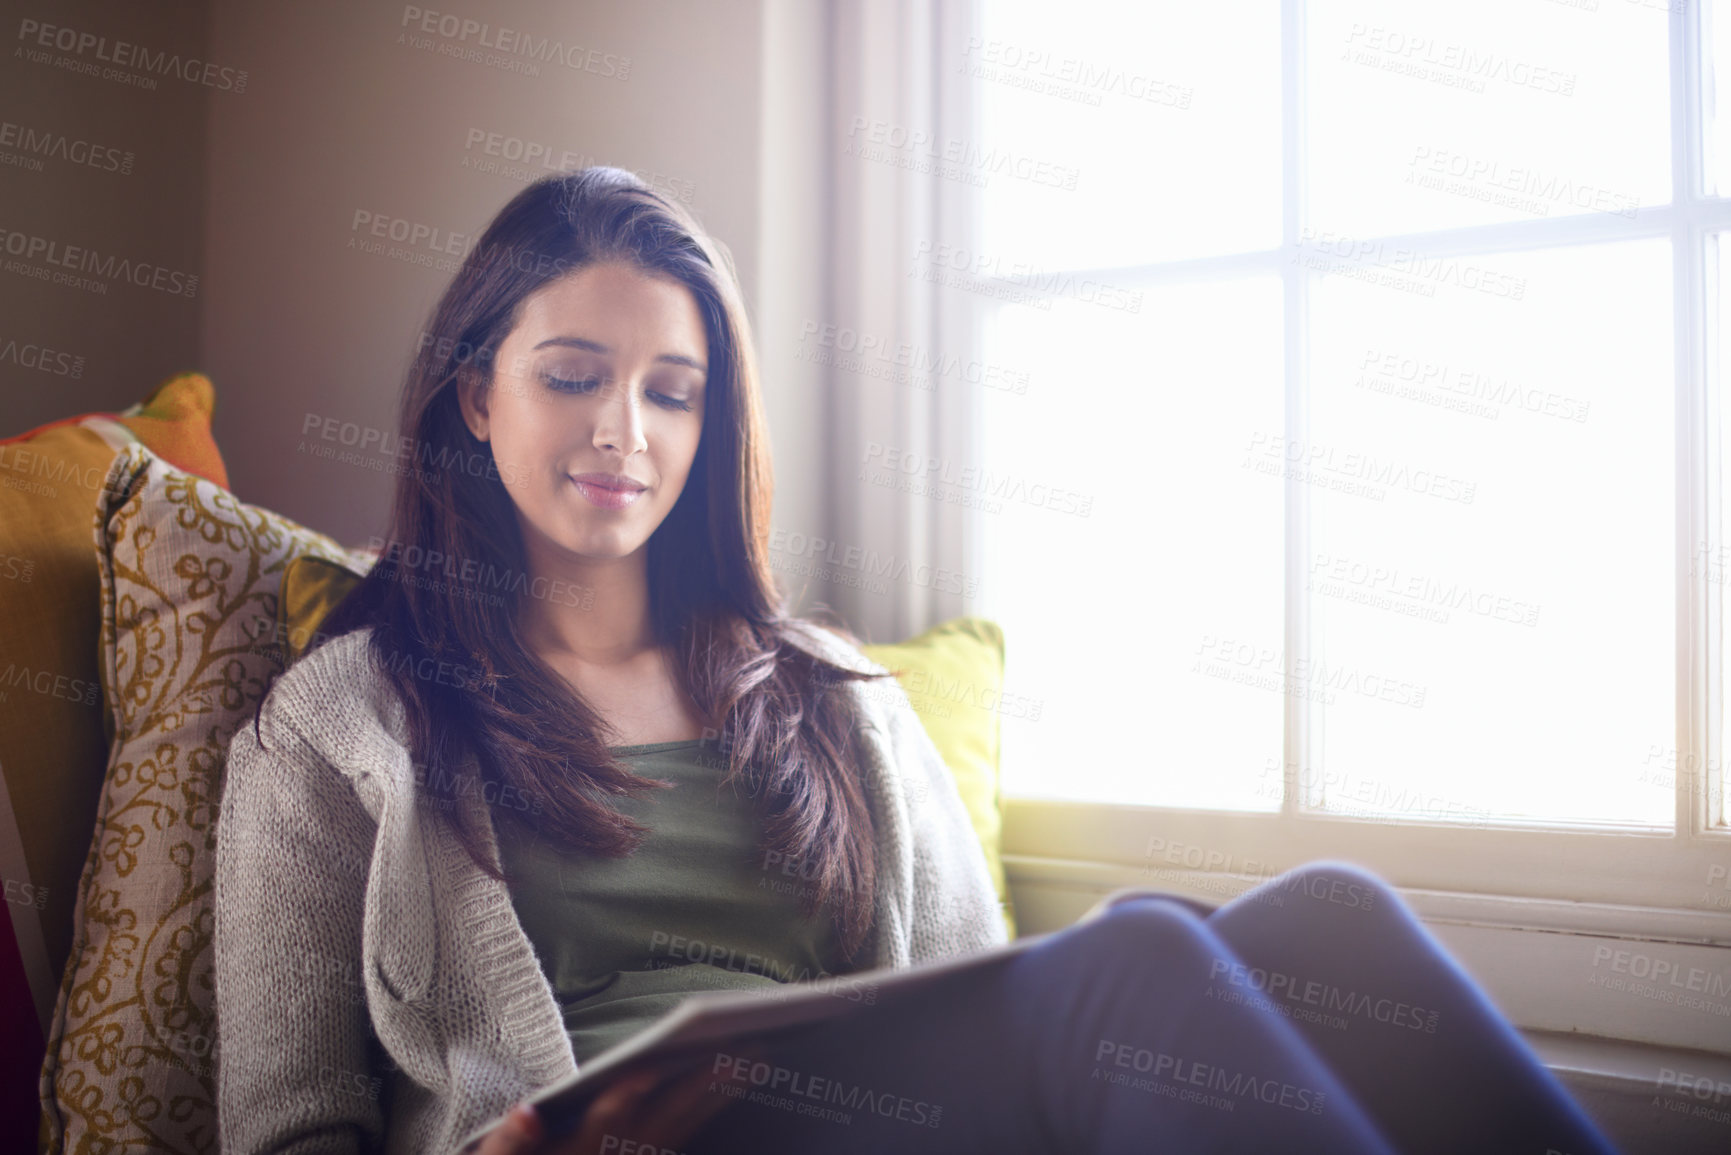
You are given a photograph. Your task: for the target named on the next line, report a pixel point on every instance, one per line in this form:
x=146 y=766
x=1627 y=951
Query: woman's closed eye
x=571 y=384
x=590 y=384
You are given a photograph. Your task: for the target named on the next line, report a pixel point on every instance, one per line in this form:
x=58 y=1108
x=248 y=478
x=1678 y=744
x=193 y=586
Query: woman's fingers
x=520 y=1133
x=659 y=1106
x=683 y=1105
x=690 y=1098
x=615 y=1113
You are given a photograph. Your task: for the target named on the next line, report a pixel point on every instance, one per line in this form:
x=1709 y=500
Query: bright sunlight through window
x=1365 y=349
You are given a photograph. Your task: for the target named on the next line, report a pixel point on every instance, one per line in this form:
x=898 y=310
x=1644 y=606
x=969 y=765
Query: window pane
x=1714 y=560
x=1716 y=95
x=1158 y=126
x=1428 y=116
x=1150 y=629
x=1494 y=607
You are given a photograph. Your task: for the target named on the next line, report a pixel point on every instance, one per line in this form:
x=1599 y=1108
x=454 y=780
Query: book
x=706 y=1018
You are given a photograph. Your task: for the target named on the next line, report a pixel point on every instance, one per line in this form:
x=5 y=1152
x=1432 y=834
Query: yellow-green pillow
x=954 y=678
x=311 y=589
x=953 y=674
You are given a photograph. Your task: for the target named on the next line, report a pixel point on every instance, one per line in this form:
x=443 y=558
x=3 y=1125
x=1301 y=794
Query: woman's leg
x=1377 y=997
x=1101 y=1038
x=1289 y=1020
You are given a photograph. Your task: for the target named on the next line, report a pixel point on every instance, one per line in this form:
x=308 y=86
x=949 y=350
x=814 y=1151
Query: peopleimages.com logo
x=512 y=49
x=432 y=568
x=69 y=261
x=35 y=37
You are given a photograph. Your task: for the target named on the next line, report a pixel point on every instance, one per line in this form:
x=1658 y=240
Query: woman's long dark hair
x=712 y=596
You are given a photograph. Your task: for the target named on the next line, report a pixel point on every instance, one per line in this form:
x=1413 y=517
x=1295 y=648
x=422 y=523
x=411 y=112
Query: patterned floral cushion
x=53 y=751
x=189 y=645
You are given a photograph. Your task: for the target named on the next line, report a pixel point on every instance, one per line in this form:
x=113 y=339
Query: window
x=1364 y=500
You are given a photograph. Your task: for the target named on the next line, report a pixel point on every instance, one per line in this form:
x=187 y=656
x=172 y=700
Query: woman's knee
x=1323 y=897
x=1143 y=928
x=1337 y=884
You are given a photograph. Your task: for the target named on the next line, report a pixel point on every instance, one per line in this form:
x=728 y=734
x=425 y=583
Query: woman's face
x=595 y=409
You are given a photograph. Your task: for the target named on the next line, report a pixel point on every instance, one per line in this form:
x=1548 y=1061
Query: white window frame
x=1526 y=906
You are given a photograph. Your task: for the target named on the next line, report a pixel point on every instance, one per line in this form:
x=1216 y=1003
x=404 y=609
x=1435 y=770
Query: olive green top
x=698 y=906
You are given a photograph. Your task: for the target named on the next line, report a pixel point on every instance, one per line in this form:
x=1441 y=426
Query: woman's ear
x=472 y=400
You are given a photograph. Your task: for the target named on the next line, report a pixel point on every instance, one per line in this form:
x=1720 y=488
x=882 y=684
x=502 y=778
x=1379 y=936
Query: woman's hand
x=654 y=1108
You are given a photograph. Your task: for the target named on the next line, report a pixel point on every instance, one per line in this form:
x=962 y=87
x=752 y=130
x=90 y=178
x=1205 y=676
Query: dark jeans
x=1312 y=1014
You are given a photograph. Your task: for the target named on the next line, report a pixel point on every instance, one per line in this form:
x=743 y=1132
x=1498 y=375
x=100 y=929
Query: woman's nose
x=619 y=424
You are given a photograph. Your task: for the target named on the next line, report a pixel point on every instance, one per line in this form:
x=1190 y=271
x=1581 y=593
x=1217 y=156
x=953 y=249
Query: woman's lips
x=605 y=496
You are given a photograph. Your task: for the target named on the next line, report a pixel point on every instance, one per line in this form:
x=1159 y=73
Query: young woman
x=549 y=773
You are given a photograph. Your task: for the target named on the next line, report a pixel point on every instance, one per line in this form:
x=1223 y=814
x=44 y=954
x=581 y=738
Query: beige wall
x=254 y=185
x=111 y=168
x=346 y=114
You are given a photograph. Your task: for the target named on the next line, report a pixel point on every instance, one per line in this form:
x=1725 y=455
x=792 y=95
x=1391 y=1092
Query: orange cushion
x=175 y=423
x=52 y=747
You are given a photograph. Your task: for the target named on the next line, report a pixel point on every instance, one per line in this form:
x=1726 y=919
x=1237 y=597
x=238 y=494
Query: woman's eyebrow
x=596 y=347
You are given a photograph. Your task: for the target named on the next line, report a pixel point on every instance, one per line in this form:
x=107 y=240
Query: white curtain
x=899 y=406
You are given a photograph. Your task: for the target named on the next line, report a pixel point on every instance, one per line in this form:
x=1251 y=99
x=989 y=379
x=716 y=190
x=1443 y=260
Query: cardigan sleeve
x=954 y=904
x=292 y=854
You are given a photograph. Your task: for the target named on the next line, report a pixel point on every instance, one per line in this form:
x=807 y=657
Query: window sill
x=1649 y=1100
x=1637 y=975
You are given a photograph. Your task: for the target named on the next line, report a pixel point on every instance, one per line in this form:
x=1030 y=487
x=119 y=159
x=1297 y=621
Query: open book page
x=706 y=1018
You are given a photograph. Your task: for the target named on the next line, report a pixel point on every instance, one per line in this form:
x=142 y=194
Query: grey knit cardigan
x=366 y=967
